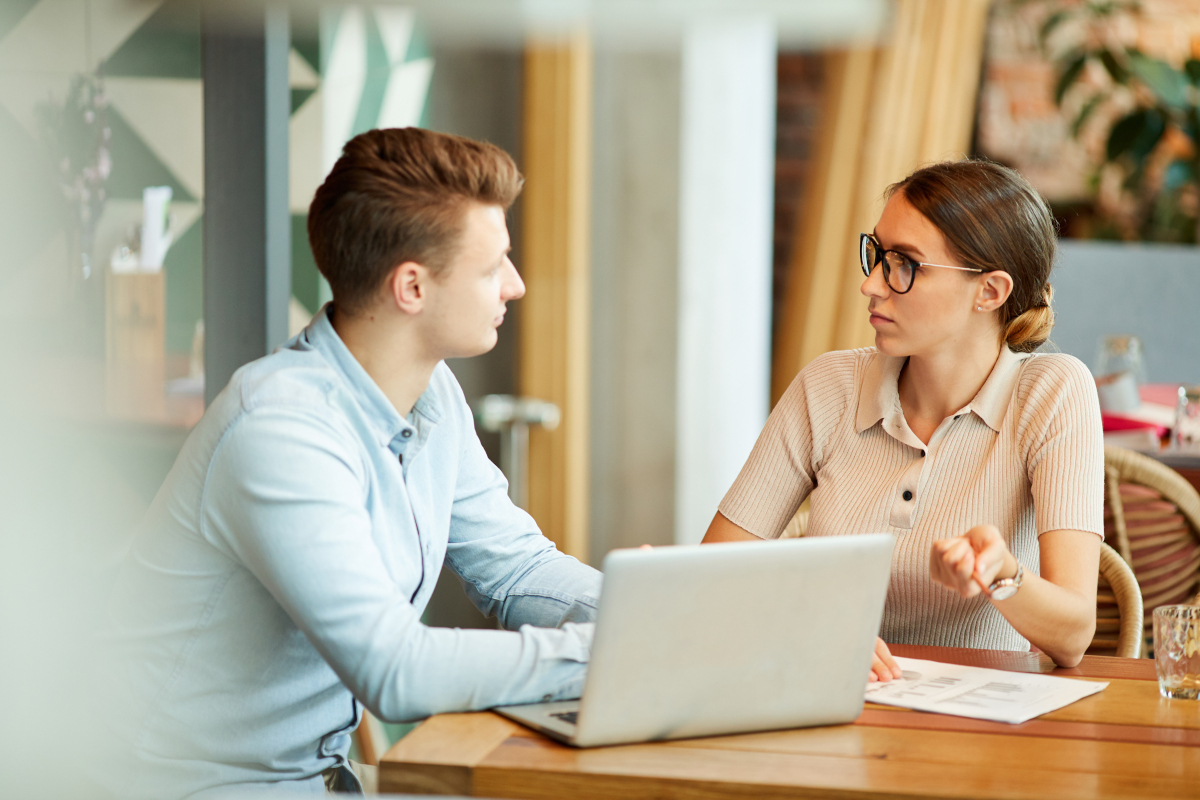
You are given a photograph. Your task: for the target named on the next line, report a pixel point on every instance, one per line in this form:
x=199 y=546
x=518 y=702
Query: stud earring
x=979 y=308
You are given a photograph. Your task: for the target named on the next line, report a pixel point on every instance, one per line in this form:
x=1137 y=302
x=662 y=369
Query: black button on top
x=907 y=495
x=406 y=433
x=922 y=454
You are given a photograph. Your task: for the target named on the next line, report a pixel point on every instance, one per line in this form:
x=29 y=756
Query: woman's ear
x=994 y=289
x=407 y=287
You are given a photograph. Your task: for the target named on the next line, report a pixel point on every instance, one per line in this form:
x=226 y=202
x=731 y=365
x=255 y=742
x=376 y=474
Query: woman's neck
x=935 y=385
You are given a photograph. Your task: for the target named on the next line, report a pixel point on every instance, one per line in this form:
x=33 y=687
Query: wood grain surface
x=1126 y=742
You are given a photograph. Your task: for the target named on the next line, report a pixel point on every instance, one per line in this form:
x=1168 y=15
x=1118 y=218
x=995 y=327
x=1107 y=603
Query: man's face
x=466 y=302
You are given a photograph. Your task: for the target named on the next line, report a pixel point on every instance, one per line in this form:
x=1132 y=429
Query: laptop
x=701 y=640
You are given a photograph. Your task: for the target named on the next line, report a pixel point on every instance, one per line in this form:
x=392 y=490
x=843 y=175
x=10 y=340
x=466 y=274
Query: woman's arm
x=722 y=530
x=1056 y=611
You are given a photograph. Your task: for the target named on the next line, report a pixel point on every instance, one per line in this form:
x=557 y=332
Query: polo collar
x=879 y=397
x=383 y=417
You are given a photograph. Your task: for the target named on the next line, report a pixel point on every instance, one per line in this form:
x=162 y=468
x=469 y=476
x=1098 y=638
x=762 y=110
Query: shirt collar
x=880 y=396
x=382 y=415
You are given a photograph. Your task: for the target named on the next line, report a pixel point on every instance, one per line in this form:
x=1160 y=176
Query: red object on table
x=1116 y=422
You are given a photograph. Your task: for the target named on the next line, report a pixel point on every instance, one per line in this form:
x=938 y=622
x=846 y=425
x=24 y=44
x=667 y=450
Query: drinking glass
x=1120 y=369
x=1177 y=651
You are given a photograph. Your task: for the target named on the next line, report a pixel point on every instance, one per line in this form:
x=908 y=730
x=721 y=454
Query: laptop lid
x=736 y=637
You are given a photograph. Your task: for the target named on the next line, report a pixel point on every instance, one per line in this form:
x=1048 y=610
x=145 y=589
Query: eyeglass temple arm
x=947 y=266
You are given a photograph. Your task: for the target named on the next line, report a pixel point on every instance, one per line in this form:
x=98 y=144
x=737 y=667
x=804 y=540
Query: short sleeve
x=782 y=468
x=1062 y=438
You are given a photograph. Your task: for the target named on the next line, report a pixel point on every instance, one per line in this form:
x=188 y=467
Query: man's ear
x=407 y=287
x=994 y=289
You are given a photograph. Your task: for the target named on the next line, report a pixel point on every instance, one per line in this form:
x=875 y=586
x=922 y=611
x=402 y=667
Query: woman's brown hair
x=994 y=220
x=397 y=195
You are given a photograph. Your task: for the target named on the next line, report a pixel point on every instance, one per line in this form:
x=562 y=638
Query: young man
x=278 y=582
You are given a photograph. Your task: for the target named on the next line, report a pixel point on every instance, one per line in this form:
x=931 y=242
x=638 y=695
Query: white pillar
x=726 y=204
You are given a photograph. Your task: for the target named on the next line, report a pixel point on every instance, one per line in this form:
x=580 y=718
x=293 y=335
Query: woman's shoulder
x=840 y=362
x=1055 y=369
x=831 y=376
x=1055 y=383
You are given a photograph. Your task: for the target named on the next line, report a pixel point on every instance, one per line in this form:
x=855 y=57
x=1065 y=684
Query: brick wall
x=1019 y=123
x=801 y=79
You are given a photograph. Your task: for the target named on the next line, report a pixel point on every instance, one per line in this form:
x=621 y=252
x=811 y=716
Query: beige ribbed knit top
x=1026 y=455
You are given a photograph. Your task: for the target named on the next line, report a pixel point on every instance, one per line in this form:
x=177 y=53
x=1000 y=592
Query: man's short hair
x=397 y=195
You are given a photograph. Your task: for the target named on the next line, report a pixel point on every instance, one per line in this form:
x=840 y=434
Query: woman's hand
x=883 y=666
x=970 y=563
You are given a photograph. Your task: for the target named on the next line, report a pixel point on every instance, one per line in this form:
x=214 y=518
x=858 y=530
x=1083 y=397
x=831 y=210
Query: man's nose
x=514 y=287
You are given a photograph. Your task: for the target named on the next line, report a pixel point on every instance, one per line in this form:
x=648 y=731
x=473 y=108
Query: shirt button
x=922 y=454
x=406 y=433
x=907 y=495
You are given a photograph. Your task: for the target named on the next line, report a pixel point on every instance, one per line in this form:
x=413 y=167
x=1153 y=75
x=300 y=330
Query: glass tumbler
x=1177 y=651
x=1120 y=369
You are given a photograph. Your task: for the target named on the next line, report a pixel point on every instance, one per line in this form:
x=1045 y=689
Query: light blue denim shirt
x=280 y=576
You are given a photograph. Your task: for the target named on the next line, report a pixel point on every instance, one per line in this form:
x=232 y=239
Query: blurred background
x=697 y=175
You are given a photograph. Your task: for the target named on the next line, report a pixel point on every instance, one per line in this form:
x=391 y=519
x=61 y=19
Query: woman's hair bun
x=1030 y=329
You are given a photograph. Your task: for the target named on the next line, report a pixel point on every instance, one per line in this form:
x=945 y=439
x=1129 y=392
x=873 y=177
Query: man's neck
x=390 y=353
x=934 y=386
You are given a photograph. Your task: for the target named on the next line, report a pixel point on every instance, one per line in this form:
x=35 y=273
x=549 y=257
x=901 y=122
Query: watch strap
x=1009 y=584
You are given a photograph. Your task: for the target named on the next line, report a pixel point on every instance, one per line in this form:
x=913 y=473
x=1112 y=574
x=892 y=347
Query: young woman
x=984 y=460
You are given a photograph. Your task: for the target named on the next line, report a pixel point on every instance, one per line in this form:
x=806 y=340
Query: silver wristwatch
x=1007 y=587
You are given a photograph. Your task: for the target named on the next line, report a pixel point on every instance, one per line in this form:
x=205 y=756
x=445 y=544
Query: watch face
x=1004 y=592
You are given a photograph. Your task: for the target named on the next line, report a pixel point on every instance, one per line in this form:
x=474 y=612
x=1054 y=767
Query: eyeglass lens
x=897 y=269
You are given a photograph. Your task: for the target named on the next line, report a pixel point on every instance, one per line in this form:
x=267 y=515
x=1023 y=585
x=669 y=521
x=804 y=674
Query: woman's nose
x=874 y=285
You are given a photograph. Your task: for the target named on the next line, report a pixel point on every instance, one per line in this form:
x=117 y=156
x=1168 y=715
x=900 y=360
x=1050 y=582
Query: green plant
x=1155 y=144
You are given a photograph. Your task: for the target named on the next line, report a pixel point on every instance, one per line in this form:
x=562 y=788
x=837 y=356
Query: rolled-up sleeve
x=290 y=488
x=508 y=568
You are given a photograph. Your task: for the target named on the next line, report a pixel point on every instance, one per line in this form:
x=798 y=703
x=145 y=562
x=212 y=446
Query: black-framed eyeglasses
x=898 y=269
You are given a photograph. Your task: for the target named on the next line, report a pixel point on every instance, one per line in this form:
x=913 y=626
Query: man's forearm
x=554 y=592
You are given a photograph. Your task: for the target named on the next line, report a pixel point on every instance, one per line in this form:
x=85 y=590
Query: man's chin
x=486 y=346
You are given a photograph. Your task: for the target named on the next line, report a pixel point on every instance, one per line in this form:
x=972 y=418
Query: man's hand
x=970 y=563
x=883 y=666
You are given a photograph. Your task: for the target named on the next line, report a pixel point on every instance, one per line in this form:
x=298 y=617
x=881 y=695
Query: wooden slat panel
x=886 y=114
x=823 y=230
x=554 y=318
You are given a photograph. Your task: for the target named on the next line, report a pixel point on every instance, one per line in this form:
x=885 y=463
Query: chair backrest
x=1152 y=519
x=1119 y=616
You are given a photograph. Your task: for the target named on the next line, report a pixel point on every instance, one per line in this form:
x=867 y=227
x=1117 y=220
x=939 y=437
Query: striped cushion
x=1165 y=553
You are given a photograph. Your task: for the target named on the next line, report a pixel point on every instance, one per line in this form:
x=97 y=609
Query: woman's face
x=939 y=311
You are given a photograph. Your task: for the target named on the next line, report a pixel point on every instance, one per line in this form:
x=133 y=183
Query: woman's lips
x=879 y=319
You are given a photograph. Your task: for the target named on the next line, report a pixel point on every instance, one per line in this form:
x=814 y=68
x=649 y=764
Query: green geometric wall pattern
x=164 y=51
x=167 y=45
x=135 y=166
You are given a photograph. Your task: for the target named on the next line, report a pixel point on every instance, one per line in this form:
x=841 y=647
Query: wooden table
x=1123 y=742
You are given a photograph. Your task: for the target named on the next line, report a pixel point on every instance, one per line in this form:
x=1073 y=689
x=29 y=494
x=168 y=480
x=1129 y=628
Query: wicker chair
x=1118 y=608
x=1152 y=518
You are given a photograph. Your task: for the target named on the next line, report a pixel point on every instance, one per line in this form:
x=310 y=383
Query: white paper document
x=980 y=693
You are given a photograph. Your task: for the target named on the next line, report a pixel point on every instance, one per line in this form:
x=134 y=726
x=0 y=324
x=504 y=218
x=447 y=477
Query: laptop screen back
x=713 y=639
